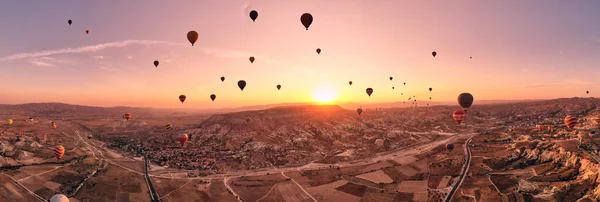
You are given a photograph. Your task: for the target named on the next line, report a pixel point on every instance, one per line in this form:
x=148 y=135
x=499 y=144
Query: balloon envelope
x=350 y=82
x=192 y=37
x=571 y=122
x=465 y=100
x=253 y=15
x=278 y=87
x=306 y=20
x=450 y=146
x=369 y=91
x=156 y=63
x=318 y=51
x=127 y=116
x=9 y=122
x=182 y=139
x=242 y=84
x=458 y=116
x=222 y=78
x=251 y=59
x=213 y=97
x=359 y=111
x=182 y=98
x=434 y=53
x=70 y=21
x=59 y=151
x=59 y=198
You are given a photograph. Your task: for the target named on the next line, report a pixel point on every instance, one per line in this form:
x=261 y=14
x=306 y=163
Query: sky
x=537 y=49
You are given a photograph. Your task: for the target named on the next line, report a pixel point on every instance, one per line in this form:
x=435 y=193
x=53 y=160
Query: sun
x=324 y=94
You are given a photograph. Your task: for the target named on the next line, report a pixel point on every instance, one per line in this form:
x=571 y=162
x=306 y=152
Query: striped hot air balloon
x=458 y=116
x=539 y=127
x=59 y=151
x=168 y=126
x=182 y=139
x=571 y=122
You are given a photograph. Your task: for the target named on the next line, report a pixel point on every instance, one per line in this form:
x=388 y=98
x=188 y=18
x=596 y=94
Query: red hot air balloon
x=253 y=15
x=87 y=31
x=571 y=122
x=458 y=116
x=182 y=139
x=156 y=63
x=59 y=151
x=242 y=84
x=369 y=91
x=278 y=87
x=549 y=128
x=53 y=125
x=213 y=97
x=192 y=37
x=465 y=100
x=539 y=127
x=182 y=98
x=251 y=59
x=306 y=20
x=127 y=116
x=318 y=51
x=350 y=82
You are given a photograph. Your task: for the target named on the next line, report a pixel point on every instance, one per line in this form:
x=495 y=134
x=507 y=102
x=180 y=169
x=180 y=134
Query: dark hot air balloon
x=253 y=15
x=430 y=89
x=318 y=51
x=433 y=53
x=70 y=21
x=369 y=91
x=213 y=97
x=222 y=78
x=350 y=82
x=156 y=63
x=278 y=87
x=450 y=146
x=587 y=92
x=405 y=83
x=458 y=116
x=251 y=59
x=306 y=20
x=359 y=111
x=127 y=116
x=182 y=98
x=592 y=134
x=192 y=37
x=242 y=84
x=392 y=87
x=391 y=78
x=465 y=100
x=168 y=126
x=87 y=31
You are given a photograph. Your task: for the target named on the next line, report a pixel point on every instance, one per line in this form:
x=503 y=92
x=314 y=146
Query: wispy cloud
x=98 y=57
x=83 y=49
x=40 y=63
x=109 y=69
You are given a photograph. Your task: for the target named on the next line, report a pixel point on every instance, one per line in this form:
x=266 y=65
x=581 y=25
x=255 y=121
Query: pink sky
x=521 y=50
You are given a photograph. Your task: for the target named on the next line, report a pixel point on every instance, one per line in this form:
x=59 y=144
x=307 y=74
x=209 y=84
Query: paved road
x=464 y=172
x=153 y=194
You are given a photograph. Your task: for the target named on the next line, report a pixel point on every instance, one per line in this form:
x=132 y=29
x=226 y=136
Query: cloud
x=129 y=57
x=109 y=69
x=83 y=49
x=568 y=82
x=40 y=63
x=99 y=57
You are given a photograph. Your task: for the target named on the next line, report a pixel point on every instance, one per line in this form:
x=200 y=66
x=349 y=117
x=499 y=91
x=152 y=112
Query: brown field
x=376 y=166
x=320 y=177
x=219 y=192
x=133 y=165
x=328 y=192
x=395 y=174
x=405 y=160
x=402 y=196
x=274 y=196
x=113 y=182
x=11 y=191
x=189 y=192
x=411 y=186
x=354 y=189
x=164 y=186
x=505 y=183
x=450 y=167
x=376 y=195
x=252 y=188
x=376 y=177
x=290 y=192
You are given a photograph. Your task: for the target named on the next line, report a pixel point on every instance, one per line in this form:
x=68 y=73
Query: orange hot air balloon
x=59 y=151
x=458 y=116
x=87 y=31
x=369 y=91
x=549 y=128
x=182 y=139
x=127 y=116
x=251 y=59
x=571 y=122
x=192 y=37
x=318 y=51
x=182 y=98
x=278 y=87
x=539 y=127
x=350 y=82
x=213 y=97
x=53 y=125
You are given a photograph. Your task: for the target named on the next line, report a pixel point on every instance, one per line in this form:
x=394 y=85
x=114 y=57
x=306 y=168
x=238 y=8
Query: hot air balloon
x=392 y=87
x=278 y=87
x=539 y=127
x=369 y=91
x=213 y=97
x=70 y=21
x=306 y=20
x=391 y=78
x=430 y=89
x=30 y=119
x=350 y=82
x=156 y=63
x=59 y=198
x=592 y=134
x=318 y=51
x=127 y=116
x=430 y=98
x=87 y=31
x=465 y=100
x=192 y=37
x=168 y=126
x=59 y=151
x=9 y=122
x=253 y=15
x=182 y=139
x=405 y=83
x=359 y=111
x=587 y=92
x=222 y=78
x=251 y=59
x=89 y=136
x=470 y=57
x=182 y=98
x=458 y=116
x=242 y=84
x=379 y=143
x=571 y=122
x=549 y=128
x=450 y=146
x=434 y=53
x=53 y=125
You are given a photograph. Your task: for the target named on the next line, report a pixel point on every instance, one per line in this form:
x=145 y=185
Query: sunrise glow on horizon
x=496 y=50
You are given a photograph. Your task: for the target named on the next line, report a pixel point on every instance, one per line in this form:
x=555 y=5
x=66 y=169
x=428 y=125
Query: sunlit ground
x=325 y=94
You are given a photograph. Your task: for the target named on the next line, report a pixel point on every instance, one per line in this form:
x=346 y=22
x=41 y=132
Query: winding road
x=463 y=173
